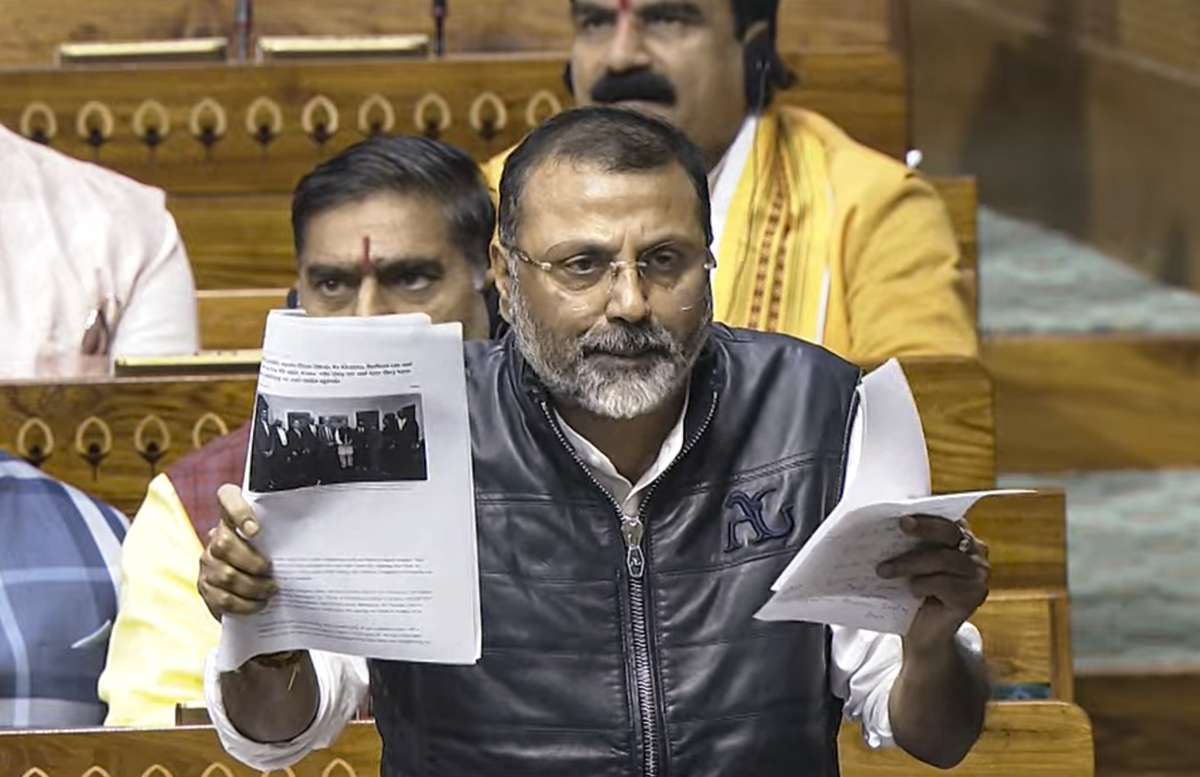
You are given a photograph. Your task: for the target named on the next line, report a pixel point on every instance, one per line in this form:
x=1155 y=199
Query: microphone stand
x=244 y=26
x=439 y=25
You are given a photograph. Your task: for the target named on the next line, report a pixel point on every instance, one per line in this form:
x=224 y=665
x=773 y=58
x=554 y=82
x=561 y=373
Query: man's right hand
x=234 y=577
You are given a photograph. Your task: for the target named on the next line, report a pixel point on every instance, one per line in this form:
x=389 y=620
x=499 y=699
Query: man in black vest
x=621 y=439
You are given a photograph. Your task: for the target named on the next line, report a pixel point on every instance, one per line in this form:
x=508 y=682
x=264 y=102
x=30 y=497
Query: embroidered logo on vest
x=750 y=512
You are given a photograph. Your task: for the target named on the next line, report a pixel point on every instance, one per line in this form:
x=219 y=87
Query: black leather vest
x=598 y=662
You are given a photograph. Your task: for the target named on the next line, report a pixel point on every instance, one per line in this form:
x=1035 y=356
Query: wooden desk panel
x=134 y=427
x=490 y=102
x=1031 y=739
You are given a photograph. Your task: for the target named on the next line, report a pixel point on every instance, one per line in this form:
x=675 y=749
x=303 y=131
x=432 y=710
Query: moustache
x=626 y=340
x=640 y=85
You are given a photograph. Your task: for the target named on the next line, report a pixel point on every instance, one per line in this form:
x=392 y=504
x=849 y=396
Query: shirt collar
x=602 y=466
x=734 y=158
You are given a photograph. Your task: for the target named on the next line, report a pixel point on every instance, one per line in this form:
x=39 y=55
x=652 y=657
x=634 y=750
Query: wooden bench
x=1027 y=642
x=1025 y=622
x=1091 y=402
x=1030 y=739
x=111 y=436
x=1027 y=537
x=1146 y=719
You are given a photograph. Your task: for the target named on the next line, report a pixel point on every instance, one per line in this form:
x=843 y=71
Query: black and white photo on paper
x=299 y=442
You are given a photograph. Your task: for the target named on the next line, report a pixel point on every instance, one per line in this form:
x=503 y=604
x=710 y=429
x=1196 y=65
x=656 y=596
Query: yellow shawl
x=835 y=243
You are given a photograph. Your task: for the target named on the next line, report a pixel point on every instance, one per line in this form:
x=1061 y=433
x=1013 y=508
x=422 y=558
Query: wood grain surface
x=235 y=319
x=1147 y=721
x=1020 y=739
x=1027 y=537
x=1095 y=402
x=954 y=397
x=1018 y=640
x=101 y=418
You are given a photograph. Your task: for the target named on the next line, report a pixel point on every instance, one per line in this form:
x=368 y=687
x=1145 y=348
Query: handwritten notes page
x=833 y=579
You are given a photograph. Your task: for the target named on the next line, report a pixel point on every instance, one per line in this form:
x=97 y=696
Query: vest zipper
x=633 y=529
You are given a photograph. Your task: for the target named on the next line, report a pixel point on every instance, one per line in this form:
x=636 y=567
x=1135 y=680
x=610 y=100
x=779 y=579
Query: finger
x=930 y=528
x=226 y=603
x=226 y=546
x=930 y=561
x=226 y=578
x=236 y=512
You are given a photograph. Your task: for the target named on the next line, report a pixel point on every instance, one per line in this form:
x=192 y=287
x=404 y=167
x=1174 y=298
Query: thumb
x=236 y=512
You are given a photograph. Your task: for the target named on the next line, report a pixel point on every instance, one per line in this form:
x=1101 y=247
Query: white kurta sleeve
x=342 y=683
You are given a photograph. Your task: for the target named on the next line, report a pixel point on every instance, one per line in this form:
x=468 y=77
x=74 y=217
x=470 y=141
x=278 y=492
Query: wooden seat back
x=1027 y=643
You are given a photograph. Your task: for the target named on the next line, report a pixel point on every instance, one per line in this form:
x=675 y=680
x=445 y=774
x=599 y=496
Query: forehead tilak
x=365 y=263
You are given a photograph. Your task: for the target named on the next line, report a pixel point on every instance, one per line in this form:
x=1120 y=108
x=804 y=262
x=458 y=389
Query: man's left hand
x=949 y=570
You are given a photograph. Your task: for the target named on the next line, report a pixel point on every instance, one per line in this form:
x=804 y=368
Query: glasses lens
x=663 y=266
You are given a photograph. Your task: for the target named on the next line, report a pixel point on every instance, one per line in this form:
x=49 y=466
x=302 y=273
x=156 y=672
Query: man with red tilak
x=396 y=225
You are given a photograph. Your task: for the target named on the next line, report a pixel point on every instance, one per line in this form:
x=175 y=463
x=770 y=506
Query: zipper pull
x=632 y=530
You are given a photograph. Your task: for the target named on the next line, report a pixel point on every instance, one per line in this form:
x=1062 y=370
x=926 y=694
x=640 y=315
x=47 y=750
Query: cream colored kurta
x=76 y=238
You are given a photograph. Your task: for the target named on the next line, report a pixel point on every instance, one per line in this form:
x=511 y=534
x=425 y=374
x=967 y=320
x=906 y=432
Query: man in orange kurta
x=815 y=235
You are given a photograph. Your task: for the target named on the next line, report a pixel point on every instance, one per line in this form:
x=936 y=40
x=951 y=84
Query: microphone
x=244 y=24
x=439 y=24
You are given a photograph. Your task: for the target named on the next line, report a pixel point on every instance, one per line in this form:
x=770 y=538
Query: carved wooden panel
x=235 y=129
x=110 y=437
x=1031 y=739
x=189 y=751
x=258 y=129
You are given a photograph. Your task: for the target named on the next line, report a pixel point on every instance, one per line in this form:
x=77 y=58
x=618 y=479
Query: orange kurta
x=835 y=243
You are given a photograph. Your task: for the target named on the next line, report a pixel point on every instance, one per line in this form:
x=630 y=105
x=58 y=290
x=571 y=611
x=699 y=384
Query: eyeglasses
x=664 y=266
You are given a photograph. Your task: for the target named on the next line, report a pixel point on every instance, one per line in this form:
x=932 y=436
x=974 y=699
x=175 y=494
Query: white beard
x=577 y=379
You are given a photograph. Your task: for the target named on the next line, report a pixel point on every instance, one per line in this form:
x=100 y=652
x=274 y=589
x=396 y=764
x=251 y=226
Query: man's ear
x=500 y=276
